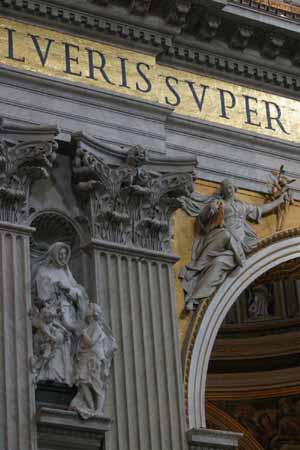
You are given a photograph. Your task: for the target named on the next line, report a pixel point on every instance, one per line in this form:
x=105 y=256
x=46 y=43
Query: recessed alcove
x=52 y=226
x=253 y=377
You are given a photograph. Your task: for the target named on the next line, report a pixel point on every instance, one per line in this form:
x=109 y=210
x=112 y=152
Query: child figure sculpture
x=93 y=362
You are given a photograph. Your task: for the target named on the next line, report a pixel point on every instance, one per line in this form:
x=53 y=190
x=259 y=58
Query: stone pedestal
x=205 y=439
x=64 y=430
x=135 y=288
x=17 y=410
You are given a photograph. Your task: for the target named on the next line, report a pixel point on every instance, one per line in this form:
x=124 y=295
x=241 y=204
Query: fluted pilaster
x=16 y=388
x=135 y=287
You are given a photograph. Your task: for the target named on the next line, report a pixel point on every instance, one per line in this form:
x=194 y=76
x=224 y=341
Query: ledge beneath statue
x=59 y=429
x=213 y=439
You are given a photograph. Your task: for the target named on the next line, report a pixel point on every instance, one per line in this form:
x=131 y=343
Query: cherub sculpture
x=51 y=346
x=72 y=343
x=280 y=184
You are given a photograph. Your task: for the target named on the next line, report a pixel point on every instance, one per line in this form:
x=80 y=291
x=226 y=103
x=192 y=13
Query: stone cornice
x=221 y=37
x=135 y=252
x=93 y=23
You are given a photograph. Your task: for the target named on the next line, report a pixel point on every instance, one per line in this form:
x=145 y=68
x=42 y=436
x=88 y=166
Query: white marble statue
x=93 y=363
x=260 y=303
x=52 y=347
x=72 y=344
x=54 y=284
x=226 y=239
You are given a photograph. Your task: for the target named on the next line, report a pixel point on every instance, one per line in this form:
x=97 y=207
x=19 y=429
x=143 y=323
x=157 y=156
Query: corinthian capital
x=26 y=155
x=130 y=202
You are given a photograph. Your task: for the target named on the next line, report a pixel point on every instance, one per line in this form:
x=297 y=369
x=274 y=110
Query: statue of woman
x=93 y=361
x=58 y=314
x=226 y=239
x=54 y=284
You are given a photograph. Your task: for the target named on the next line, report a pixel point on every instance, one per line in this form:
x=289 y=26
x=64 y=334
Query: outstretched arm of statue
x=193 y=205
x=269 y=207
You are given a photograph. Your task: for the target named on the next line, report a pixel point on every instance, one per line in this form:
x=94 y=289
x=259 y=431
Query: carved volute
x=129 y=200
x=26 y=155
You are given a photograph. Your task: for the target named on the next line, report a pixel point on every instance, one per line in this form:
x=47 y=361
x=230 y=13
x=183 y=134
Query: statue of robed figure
x=72 y=344
x=60 y=305
x=226 y=239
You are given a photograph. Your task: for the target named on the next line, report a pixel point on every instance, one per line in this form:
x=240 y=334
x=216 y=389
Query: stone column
x=129 y=199
x=17 y=429
x=25 y=155
x=135 y=288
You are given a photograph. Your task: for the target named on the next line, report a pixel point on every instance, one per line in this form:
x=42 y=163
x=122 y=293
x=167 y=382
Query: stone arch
x=55 y=224
x=213 y=312
x=52 y=225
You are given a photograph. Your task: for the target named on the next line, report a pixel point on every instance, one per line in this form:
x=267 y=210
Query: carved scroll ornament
x=22 y=162
x=129 y=204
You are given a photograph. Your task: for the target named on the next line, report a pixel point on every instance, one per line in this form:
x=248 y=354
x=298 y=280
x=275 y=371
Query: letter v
x=195 y=95
x=43 y=57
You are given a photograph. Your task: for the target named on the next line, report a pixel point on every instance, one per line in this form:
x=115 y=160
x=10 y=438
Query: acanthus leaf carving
x=129 y=204
x=21 y=164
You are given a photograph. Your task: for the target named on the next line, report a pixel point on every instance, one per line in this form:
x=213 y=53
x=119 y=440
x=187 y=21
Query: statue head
x=227 y=189
x=48 y=313
x=59 y=254
x=136 y=156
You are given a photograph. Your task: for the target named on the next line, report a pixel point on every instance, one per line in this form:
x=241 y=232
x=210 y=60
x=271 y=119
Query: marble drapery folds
x=72 y=344
x=92 y=364
x=226 y=239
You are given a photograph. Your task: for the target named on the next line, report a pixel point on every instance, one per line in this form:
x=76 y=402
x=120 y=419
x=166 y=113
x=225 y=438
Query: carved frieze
x=179 y=10
x=209 y=28
x=167 y=42
x=128 y=204
x=241 y=37
x=273 y=45
x=26 y=155
x=141 y=7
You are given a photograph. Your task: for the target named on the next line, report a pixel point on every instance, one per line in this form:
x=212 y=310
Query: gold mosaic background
x=155 y=73
x=184 y=232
